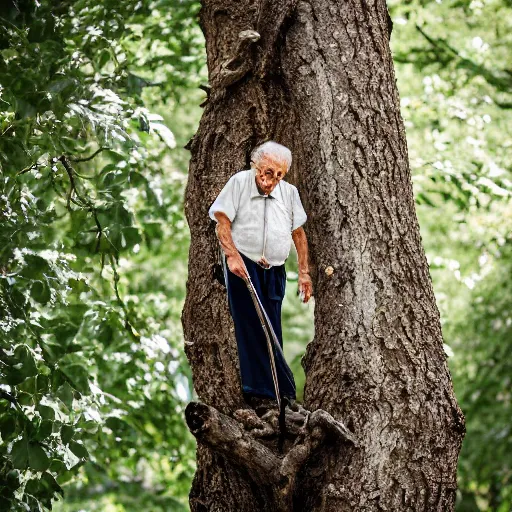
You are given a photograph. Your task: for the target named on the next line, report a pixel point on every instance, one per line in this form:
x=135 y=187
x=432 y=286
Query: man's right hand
x=234 y=260
x=236 y=265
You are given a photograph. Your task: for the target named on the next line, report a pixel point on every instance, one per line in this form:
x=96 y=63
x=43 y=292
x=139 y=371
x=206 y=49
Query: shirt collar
x=254 y=188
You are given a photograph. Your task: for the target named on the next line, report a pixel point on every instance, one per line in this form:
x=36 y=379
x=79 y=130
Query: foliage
x=91 y=365
x=483 y=373
x=453 y=68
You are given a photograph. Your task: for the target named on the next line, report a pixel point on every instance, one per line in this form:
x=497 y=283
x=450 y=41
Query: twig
x=86 y=159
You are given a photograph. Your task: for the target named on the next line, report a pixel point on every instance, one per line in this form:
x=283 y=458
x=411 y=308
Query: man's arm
x=301 y=244
x=233 y=258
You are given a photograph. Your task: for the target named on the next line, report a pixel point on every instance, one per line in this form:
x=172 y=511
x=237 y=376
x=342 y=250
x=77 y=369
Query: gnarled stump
x=239 y=440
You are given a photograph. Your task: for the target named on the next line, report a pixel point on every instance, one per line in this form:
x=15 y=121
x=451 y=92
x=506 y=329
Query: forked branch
x=245 y=440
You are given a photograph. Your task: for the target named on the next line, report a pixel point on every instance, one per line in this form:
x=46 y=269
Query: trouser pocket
x=276 y=283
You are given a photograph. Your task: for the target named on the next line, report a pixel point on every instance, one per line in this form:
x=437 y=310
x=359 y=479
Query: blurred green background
x=96 y=104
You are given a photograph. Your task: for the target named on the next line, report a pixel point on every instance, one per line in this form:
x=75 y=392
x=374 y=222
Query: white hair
x=272 y=148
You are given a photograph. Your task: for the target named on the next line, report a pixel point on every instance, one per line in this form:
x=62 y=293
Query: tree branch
x=503 y=83
x=238 y=441
x=86 y=202
x=225 y=436
x=230 y=71
x=87 y=158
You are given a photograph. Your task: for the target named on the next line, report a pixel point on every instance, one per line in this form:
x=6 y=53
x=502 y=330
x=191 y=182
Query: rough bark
x=318 y=77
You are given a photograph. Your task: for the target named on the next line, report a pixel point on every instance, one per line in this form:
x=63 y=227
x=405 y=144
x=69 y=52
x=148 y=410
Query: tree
x=385 y=429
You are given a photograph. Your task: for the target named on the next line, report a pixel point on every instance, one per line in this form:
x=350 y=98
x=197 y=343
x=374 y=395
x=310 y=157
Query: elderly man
x=258 y=214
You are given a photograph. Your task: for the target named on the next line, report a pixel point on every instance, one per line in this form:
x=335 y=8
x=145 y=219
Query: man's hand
x=233 y=258
x=236 y=265
x=305 y=283
x=305 y=286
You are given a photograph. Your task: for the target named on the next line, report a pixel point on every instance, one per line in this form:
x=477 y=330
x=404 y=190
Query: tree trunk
x=386 y=430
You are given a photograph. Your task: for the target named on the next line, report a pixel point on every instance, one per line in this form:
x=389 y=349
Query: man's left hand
x=305 y=286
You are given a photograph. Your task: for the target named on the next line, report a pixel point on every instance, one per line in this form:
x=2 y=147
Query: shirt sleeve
x=227 y=201
x=299 y=214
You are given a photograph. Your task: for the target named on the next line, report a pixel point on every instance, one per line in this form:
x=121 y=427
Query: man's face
x=270 y=170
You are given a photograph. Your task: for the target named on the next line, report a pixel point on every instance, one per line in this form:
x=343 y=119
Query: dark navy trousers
x=255 y=373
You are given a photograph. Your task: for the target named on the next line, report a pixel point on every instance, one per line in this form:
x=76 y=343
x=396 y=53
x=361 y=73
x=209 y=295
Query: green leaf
x=25 y=398
x=13 y=479
x=66 y=433
x=37 y=458
x=43 y=382
x=19 y=303
x=7 y=426
x=78 y=449
x=78 y=376
x=52 y=483
x=19 y=454
x=33 y=487
x=46 y=412
x=40 y=292
x=59 y=85
x=137 y=179
x=115 y=178
x=131 y=237
x=52 y=351
x=35 y=267
x=91 y=427
x=422 y=198
x=78 y=285
x=65 y=393
x=58 y=466
x=24 y=109
x=165 y=134
x=44 y=430
x=28 y=365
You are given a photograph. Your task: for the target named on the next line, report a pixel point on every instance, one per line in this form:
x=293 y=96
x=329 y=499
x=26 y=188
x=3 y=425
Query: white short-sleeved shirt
x=251 y=214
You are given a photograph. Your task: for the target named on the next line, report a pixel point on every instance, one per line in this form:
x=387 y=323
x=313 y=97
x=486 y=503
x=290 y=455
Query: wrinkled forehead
x=274 y=162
